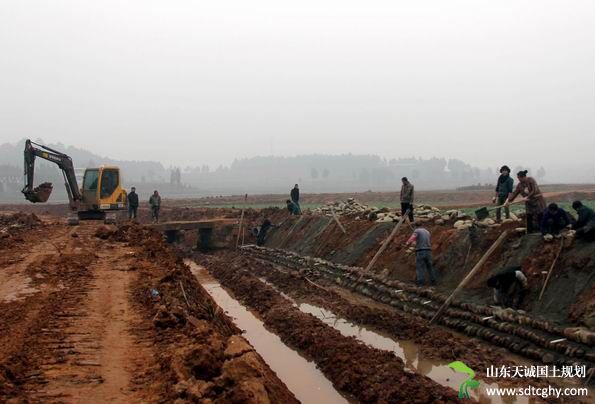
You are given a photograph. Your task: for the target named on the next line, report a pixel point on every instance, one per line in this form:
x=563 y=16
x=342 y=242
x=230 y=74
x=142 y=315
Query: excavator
x=100 y=197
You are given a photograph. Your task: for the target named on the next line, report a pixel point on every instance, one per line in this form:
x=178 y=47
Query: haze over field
x=193 y=83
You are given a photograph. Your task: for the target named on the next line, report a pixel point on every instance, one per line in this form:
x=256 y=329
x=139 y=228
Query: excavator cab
x=102 y=189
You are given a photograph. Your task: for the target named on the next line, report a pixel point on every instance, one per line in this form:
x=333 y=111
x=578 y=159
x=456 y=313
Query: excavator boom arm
x=63 y=161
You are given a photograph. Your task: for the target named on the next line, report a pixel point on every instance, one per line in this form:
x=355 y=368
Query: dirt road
x=71 y=337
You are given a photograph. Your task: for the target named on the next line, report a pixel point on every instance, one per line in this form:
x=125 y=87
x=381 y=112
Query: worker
x=534 y=202
x=262 y=232
x=407 y=198
x=155 y=204
x=504 y=188
x=292 y=207
x=554 y=220
x=510 y=286
x=423 y=254
x=585 y=224
x=132 y=203
x=295 y=199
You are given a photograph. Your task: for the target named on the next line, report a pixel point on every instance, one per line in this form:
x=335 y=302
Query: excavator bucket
x=39 y=194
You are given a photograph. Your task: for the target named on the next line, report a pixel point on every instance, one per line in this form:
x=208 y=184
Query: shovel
x=484 y=212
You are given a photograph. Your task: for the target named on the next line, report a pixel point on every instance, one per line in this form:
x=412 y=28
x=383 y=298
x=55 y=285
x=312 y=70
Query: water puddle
x=436 y=370
x=301 y=376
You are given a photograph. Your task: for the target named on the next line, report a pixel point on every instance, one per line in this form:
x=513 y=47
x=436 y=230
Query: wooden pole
x=384 y=245
x=549 y=273
x=471 y=273
x=241 y=221
x=337 y=220
x=591 y=371
x=291 y=230
x=317 y=285
x=467 y=256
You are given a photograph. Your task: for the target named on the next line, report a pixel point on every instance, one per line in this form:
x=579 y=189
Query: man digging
x=423 y=254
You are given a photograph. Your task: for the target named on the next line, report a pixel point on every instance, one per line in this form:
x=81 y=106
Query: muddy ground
x=113 y=313
x=100 y=314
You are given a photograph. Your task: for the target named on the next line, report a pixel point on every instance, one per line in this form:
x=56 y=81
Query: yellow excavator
x=100 y=197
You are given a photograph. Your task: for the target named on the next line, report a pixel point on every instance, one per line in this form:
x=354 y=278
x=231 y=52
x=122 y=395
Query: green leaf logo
x=470 y=383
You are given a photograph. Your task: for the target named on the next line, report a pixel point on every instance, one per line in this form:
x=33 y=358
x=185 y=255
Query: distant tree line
x=262 y=174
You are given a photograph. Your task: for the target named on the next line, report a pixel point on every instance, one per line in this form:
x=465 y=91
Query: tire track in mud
x=71 y=341
x=98 y=351
x=14 y=280
x=366 y=373
x=55 y=267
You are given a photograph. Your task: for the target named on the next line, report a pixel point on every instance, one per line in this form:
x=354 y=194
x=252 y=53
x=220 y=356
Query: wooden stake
x=467 y=256
x=471 y=273
x=384 y=245
x=184 y=294
x=591 y=371
x=291 y=230
x=547 y=278
x=241 y=221
x=315 y=284
x=337 y=220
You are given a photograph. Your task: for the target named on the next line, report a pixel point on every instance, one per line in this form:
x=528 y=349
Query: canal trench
x=301 y=376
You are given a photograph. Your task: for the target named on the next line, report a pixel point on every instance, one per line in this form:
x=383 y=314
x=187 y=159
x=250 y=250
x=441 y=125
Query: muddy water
x=301 y=377
x=408 y=351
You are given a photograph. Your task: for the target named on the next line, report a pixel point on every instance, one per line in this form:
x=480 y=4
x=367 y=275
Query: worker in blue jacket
x=554 y=220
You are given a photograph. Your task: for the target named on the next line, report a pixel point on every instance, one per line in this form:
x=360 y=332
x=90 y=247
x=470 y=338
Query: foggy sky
x=203 y=82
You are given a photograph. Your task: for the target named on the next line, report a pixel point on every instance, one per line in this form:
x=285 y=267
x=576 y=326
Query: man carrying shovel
x=534 y=200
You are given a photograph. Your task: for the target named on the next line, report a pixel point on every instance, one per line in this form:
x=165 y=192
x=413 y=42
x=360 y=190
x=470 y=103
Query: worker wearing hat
x=504 y=188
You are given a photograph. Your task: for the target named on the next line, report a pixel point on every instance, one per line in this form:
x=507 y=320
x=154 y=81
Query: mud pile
x=19 y=220
x=135 y=234
x=12 y=227
x=202 y=353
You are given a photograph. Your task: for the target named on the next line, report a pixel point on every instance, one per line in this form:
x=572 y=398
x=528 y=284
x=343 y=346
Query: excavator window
x=90 y=180
x=109 y=182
